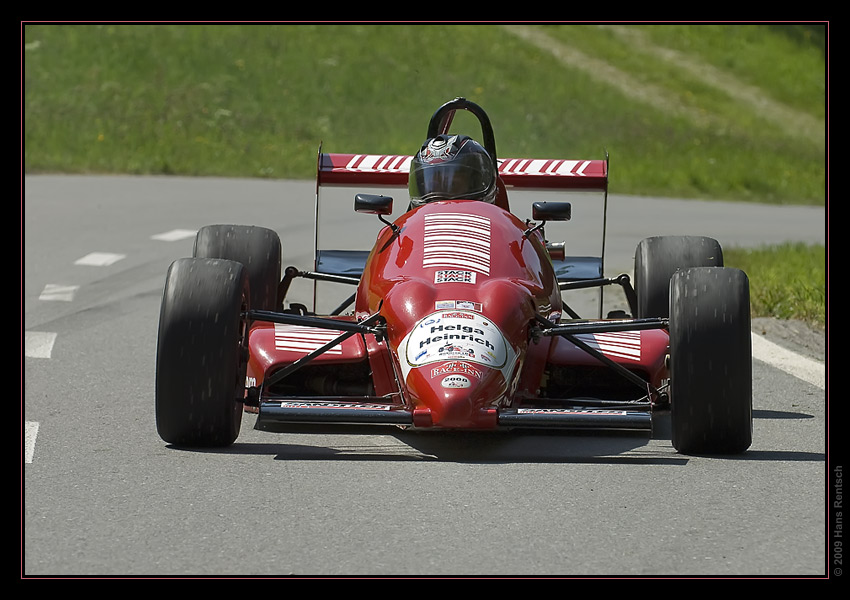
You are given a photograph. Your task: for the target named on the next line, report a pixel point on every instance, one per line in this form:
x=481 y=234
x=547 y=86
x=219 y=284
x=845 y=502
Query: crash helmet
x=450 y=167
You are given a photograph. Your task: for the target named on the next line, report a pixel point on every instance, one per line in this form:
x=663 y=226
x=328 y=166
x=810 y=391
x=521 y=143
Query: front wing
x=386 y=404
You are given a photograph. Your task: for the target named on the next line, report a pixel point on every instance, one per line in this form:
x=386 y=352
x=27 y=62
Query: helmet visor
x=450 y=181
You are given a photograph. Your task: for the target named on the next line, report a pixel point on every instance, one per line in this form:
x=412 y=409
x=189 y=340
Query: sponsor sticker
x=455 y=382
x=454 y=276
x=455 y=335
x=467 y=305
x=461 y=304
x=456 y=366
x=458 y=315
x=570 y=411
x=348 y=405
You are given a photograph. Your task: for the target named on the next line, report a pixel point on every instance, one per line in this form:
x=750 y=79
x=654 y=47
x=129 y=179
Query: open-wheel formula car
x=458 y=319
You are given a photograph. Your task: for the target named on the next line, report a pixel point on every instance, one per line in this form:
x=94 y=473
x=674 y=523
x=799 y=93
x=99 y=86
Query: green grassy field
x=733 y=112
x=787 y=281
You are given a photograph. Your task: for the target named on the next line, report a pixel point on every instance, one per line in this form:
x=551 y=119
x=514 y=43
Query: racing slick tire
x=710 y=361
x=657 y=258
x=258 y=248
x=202 y=353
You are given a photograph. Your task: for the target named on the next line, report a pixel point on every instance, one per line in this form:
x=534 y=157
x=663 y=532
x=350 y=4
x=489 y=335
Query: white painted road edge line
x=807 y=369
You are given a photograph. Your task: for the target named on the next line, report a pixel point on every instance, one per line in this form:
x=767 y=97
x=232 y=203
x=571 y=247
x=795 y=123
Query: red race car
x=457 y=321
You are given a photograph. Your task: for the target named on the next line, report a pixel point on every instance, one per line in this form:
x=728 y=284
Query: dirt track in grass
x=795 y=123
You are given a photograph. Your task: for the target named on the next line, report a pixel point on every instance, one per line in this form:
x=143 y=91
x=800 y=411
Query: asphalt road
x=102 y=495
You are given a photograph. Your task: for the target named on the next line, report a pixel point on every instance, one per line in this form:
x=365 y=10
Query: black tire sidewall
x=658 y=258
x=200 y=366
x=710 y=361
x=257 y=248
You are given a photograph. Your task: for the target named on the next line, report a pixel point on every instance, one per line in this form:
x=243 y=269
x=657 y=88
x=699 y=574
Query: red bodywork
x=459 y=285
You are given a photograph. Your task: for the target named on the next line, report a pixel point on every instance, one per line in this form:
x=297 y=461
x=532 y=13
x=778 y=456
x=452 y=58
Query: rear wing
x=523 y=173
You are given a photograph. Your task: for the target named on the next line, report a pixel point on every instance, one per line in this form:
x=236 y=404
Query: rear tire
x=657 y=258
x=257 y=248
x=710 y=361
x=202 y=353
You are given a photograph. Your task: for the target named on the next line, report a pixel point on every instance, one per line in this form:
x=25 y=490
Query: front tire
x=202 y=353
x=710 y=361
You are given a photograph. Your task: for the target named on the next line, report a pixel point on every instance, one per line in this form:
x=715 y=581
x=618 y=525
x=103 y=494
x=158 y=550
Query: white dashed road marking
x=38 y=344
x=99 y=259
x=30 y=433
x=174 y=235
x=55 y=291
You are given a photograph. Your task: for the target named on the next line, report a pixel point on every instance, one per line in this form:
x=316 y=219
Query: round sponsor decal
x=456 y=335
x=455 y=381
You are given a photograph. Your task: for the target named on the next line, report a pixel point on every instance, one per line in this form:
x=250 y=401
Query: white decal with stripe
x=457 y=241
x=397 y=163
x=293 y=338
x=527 y=166
x=621 y=344
x=379 y=163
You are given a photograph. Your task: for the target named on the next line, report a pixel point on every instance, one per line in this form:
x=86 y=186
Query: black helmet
x=449 y=167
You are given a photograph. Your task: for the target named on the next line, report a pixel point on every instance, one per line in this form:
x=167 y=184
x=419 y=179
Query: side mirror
x=551 y=211
x=373 y=204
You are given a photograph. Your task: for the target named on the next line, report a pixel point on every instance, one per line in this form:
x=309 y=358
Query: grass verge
x=786 y=281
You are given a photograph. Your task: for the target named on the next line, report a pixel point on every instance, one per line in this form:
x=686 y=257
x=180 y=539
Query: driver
x=450 y=167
